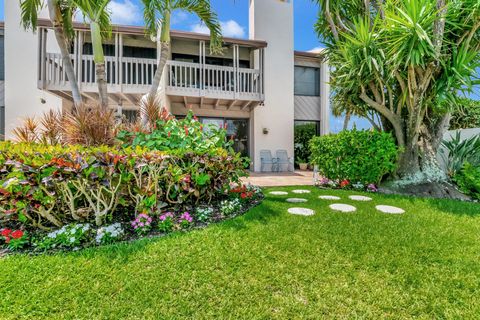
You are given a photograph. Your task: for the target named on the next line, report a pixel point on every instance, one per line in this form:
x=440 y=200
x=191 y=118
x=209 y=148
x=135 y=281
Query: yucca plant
x=459 y=151
x=405 y=61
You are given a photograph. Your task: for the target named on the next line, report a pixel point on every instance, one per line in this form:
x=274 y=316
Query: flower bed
x=70 y=197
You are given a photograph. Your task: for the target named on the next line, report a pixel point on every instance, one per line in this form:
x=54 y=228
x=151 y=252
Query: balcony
x=130 y=78
x=218 y=83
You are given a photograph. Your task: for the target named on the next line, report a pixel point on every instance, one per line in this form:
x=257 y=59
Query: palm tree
x=60 y=12
x=95 y=11
x=162 y=10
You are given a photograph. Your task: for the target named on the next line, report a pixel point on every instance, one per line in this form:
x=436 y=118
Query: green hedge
x=50 y=186
x=468 y=180
x=356 y=156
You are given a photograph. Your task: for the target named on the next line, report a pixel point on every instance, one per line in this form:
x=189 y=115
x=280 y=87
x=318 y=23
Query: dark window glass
x=2 y=58
x=307 y=81
x=128 y=52
x=209 y=60
x=130 y=115
x=315 y=124
x=2 y=123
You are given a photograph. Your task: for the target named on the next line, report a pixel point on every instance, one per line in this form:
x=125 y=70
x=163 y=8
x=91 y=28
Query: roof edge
x=135 y=30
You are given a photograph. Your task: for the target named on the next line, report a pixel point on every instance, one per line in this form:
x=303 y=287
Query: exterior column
x=272 y=21
x=324 y=98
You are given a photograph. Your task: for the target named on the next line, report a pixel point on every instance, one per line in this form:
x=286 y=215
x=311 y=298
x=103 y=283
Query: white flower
x=72 y=239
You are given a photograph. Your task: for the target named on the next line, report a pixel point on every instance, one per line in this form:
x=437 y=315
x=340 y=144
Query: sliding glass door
x=237 y=131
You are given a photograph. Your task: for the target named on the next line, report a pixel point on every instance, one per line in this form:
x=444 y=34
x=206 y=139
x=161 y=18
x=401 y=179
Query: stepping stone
x=300 y=191
x=389 y=209
x=278 y=193
x=296 y=200
x=342 y=207
x=301 y=211
x=360 y=198
x=329 y=197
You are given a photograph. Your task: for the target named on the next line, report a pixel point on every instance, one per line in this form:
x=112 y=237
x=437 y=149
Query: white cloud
x=316 y=50
x=121 y=12
x=230 y=28
x=179 y=17
x=125 y=12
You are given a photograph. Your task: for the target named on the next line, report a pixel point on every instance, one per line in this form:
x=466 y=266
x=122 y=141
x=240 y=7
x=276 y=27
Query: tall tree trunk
x=164 y=51
x=99 y=58
x=346 y=121
x=55 y=18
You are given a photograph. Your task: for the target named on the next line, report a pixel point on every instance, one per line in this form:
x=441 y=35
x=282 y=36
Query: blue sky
x=232 y=13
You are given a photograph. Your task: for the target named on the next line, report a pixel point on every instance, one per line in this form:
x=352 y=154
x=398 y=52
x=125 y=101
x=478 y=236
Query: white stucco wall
x=272 y=21
x=22 y=98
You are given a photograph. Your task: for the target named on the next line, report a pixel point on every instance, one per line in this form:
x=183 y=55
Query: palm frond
x=29 y=13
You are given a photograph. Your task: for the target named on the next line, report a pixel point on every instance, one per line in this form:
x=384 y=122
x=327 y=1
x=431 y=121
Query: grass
x=269 y=264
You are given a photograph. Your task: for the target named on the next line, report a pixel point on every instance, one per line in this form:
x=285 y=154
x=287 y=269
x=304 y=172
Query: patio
x=275 y=179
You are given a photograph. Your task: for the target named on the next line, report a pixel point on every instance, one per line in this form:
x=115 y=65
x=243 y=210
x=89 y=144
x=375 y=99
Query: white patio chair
x=284 y=161
x=266 y=160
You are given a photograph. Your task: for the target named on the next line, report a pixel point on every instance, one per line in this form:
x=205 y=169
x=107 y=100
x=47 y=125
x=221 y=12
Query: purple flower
x=372 y=187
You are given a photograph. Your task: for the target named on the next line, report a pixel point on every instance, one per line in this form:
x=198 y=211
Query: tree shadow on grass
x=455 y=207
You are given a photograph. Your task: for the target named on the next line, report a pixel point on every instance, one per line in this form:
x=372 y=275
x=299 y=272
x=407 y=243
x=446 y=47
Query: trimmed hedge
x=357 y=156
x=50 y=186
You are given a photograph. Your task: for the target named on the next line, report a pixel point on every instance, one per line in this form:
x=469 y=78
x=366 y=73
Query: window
x=130 y=116
x=314 y=125
x=307 y=81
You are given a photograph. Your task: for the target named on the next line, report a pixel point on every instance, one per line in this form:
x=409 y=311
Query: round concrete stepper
x=278 y=193
x=300 y=191
x=301 y=211
x=390 y=209
x=342 y=207
x=329 y=197
x=360 y=198
x=296 y=200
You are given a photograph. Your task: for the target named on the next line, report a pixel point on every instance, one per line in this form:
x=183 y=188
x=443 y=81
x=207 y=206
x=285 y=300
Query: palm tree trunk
x=99 y=58
x=346 y=121
x=65 y=52
x=164 y=50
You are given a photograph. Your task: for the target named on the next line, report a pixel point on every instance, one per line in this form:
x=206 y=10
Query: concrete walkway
x=278 y=179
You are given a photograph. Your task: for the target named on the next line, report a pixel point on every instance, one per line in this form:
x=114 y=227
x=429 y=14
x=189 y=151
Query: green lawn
x=269 y=264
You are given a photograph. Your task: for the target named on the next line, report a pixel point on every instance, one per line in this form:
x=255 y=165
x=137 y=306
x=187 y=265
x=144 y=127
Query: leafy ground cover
x=269 y=264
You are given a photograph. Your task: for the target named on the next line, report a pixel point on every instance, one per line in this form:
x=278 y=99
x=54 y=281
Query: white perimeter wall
x=272 y=21
x=22 y=98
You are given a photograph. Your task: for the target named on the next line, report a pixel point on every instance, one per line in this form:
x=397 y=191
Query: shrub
x=51 y=186
x=467 y=115
x=168 y=133
x=302 y=135
x=86 y=125
x=468 y=180
x=354 y=156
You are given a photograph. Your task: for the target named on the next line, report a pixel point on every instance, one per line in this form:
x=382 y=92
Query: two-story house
x=260 y=87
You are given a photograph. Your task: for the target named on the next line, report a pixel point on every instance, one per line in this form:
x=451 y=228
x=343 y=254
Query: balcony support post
x=236 y=78
x=120 y=61
x=80 y=59
x=42 y=43
x=202 y=67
